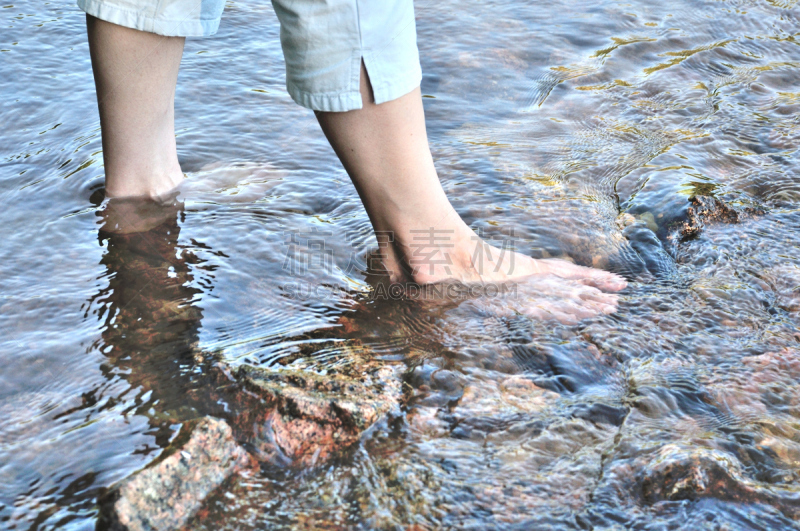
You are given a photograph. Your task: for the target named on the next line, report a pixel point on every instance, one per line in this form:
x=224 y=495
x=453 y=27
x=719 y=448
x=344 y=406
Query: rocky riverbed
x=579 y=429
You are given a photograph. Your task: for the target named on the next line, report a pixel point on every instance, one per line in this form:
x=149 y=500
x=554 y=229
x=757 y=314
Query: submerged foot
x=546 y=297
x=507 y=282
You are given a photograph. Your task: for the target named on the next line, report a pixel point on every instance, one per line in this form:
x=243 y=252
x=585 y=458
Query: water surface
x=573 y=129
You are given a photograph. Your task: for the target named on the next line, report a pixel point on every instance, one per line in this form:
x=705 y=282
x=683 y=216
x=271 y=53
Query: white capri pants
x=323 y=41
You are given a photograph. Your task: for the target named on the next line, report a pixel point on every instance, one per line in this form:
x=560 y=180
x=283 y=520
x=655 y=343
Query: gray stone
x=169 y=491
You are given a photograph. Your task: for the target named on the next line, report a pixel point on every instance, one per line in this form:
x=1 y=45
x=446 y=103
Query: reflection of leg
x=384 y=148
x=149 y=320
x=135 y=73
x=147 y=307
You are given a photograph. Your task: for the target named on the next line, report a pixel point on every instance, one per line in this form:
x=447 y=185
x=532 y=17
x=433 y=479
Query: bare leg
x=135 y=74
x=384 y=149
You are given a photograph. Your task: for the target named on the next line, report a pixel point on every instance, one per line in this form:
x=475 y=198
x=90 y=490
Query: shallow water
x=549 y=123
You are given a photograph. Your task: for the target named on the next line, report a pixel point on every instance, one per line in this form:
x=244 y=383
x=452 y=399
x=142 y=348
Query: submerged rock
x=676 y=473
x=298 y=415
x=171 y=489
x=309 y=416
x=708 y=209
x=514 y=394
x=763 y=387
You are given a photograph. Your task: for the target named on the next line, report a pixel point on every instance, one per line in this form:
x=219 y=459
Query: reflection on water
x=592 y=131
x=149 y=323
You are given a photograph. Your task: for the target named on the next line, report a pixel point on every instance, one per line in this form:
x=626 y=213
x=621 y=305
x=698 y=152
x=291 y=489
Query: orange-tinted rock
x=170 y=490
x=676 y=473
x=310 y=416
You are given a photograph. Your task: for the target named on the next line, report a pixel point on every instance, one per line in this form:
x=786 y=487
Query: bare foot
x=544 y=298
x=503 y=281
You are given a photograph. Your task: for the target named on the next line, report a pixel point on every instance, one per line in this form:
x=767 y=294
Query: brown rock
x=310 y=416
x=677 y=473
x=426 y=422
x=708 y=209
x=170 y=490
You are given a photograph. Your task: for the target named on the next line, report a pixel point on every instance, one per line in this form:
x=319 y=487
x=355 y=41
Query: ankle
x=433 y=255
x=146 y=185
x=137 y=214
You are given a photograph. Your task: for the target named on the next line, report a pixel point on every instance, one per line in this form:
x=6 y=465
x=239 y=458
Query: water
x=549 y=123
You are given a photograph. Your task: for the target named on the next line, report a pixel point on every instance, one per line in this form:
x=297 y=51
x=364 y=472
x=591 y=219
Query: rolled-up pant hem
x=348 y=101
x=324 y=43
x=190 y=27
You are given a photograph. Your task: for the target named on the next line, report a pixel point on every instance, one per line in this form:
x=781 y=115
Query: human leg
x=384 y=149
x=357 y=66
x=135 y=74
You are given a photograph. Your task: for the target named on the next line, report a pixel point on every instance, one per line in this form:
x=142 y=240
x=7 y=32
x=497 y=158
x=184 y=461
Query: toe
x=548 y=312
x=588 y=275
x=605 y=281
x=595 y=295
